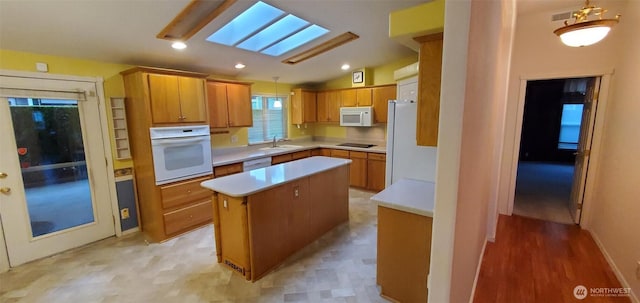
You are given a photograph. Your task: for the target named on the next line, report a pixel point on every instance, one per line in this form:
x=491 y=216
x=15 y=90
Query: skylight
x=268 y=30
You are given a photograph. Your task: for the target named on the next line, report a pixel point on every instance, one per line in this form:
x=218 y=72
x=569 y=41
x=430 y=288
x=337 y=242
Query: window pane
x=269 y=119
x=570 y=126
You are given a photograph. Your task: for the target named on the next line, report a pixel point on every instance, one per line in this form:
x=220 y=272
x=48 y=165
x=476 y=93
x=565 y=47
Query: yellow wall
x=113 y=84
x=416 y=21
x=382 y=74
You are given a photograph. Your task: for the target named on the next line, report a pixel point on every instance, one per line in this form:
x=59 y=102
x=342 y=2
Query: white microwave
x=356 y=116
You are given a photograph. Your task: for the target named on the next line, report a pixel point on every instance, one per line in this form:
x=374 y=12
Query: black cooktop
x=360 y=145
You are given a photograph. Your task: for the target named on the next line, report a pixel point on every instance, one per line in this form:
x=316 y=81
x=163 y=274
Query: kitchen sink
x=280 y=147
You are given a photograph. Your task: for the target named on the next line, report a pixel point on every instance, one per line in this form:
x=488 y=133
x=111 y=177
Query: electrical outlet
x=124 y=213
x=234 y=139
x=638 y=271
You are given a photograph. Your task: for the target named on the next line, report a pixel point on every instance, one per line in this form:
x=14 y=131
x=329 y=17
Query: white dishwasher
x=256 y=163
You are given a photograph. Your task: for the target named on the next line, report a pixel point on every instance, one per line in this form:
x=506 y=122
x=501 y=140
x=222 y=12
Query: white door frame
x=104 y=126
x=595 y=144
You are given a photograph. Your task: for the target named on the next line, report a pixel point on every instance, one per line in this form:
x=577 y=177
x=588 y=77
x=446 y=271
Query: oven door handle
x=178 y=141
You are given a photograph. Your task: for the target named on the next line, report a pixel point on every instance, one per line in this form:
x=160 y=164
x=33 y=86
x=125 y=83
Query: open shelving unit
x=120 y=132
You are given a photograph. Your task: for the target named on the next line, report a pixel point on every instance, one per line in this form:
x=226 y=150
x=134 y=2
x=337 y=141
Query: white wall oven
x=181 y=152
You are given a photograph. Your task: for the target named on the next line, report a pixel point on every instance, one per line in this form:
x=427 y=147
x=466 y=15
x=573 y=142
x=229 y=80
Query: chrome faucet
x=274 y=141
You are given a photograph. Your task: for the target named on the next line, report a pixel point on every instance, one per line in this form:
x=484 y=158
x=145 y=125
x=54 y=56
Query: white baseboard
x=475 y=280
x=623 y=281
x=130 y=231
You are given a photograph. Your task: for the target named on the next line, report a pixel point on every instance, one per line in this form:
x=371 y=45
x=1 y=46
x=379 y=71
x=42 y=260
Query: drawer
x=377 y=156
x=225 y=170
x=321 y=152
x=190 y=216
x=301 y=155
x=280 y=159
x=339 y=153
x=357 y=155
x=184 y=192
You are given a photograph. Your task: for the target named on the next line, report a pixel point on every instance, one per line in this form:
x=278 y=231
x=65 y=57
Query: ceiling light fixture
x=584 y=32
x=324 y=47
x=345 y=66
x=240 y=66
x=178 y=45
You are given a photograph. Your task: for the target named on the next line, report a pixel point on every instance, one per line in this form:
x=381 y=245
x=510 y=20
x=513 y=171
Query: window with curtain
x=570 y=126
x=269 y=118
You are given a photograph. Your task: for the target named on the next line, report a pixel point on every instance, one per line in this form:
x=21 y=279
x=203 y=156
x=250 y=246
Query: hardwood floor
x=541 y=261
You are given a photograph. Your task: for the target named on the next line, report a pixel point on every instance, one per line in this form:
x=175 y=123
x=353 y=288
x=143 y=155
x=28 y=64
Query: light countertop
x=257 y=180
x=253 y=152
x=409 y=195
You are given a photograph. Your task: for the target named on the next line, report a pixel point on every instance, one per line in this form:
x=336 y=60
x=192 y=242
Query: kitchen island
x=263 y=216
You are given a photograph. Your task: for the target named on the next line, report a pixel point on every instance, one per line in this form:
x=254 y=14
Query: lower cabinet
x=376 y=167
x=225 y=170
x=185 y=205
x=280 y=159
x=358 y=177
x=404 y=250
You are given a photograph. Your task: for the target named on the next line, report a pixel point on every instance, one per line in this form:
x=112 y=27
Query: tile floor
x=339 y=267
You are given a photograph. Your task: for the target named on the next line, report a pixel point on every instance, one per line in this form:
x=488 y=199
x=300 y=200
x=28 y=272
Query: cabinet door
x=165 y=99
x=322 y=113
x=217 y=101
x=192 y=101
x=309 y=106
x=358 y=170
x=333 y=105
x=298 y=222
x=281 y=159
x=239 y=103
x=429 y=76
x=363 y=96
x=348 y=97
x=381 y=97
x=297 y=114
x=234 y=234
x=376 y=166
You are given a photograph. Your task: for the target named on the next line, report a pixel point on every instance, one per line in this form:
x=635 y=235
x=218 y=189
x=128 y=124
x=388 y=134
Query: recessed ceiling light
x=178 y=45
x=240 y=66
x=345 y=66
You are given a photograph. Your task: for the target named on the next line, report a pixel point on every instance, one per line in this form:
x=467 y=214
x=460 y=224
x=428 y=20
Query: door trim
x=104 y=126
x=605 y=82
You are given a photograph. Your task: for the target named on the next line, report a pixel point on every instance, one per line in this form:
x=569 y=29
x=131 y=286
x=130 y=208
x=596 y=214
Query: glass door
x=54 y=192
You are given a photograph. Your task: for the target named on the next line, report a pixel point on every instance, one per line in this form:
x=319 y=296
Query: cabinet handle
x=225 y=204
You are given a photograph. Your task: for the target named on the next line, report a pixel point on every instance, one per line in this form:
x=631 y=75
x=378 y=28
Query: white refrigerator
x=405 y=159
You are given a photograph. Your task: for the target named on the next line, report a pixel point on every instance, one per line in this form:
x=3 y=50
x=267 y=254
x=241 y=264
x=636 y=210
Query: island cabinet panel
x=256 y=233
x=232 y=228
x=404 y=250
x=328 y=192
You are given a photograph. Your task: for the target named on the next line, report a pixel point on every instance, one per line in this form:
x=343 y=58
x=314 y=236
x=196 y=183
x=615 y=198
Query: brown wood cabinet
x=160 y=97
x=363 y=96
x=348 y=97
x=429 y=76
x=358 y=170
x=301 y=155
x=356 y=97
x=403 y=261
x=229 y=104
x=176 y=99
x=280 y=159
x=254 y=234
x=326 y=152
x=303 y=106
x=225 y=170
x=328 y=106
x=376 y=167
x=381 y=97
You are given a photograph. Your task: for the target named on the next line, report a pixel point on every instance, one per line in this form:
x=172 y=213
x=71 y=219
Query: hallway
x=540 y=261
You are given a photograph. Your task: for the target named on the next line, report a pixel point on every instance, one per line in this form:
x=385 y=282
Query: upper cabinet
x=429 y=76
x=229 y=104
x=328 y=106
x=381 y=97
x=176 y=99
x=303 y=106
x=163 y=97
x=356 y=97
